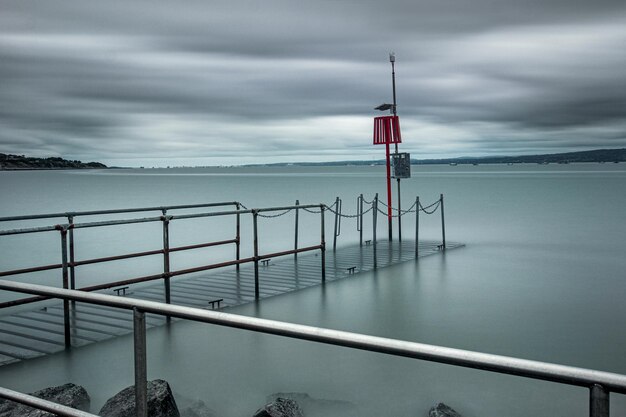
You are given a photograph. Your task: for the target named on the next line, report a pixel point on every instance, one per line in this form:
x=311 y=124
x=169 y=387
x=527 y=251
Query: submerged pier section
x=36 y=326
x=32 y=333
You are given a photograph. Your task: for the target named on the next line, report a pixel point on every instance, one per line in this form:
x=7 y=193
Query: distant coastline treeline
x=598 y=155
x=16 y=162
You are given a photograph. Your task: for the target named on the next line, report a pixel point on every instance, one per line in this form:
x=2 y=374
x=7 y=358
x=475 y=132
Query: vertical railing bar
x=238 y=236
x=399 y=213
x=360 y=219
x=66 y=303
x=70 y=221
x=340 y=216
x=599 y=401
x=166 y=256
x=375 y=213
x=443 y=223
x=255 y=214
x=141 y=373
x=323 y=242
x=336 y=224
x=417 y=226
x=295 y=242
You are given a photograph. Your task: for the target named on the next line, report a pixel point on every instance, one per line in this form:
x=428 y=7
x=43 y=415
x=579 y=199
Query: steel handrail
x=41 y=404
x=569 y=375
x=70 y=226
x=68 y=265
x=116 y=211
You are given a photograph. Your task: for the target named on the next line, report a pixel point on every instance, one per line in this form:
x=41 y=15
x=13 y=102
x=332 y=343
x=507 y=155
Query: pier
x=37 y=326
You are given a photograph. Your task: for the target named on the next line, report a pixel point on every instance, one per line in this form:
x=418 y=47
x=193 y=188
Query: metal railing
x=41 y=404
x=599 y=383
x=67 y=264
x=69 y=245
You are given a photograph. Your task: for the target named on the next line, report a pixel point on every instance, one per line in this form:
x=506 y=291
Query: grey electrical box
x=401 y=165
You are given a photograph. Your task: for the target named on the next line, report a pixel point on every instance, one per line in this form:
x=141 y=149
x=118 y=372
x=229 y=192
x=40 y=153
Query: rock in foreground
x=281 y=407
x=442 y=410
x=71 y=395
x=161 y=402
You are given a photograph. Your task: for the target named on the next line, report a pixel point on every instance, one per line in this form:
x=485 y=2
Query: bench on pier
x=351 y=269
x=441 y=247
x=265 y=262
x=217 y=301
x=120 y=290
x=367 y=242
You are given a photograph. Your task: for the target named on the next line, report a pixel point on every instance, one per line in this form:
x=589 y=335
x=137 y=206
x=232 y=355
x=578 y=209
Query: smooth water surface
x=542 y=277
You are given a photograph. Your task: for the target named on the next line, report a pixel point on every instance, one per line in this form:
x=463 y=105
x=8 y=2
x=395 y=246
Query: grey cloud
x=104 y=80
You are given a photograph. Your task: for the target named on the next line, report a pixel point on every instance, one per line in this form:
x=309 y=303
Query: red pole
x=388 y=191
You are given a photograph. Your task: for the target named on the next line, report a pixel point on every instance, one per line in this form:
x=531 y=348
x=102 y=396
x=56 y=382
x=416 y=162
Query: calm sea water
x=542 y=277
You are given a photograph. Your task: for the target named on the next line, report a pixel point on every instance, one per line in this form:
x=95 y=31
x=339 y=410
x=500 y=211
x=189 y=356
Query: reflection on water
x=541 y=277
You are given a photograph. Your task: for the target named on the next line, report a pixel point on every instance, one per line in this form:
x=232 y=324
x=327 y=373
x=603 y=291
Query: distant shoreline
x=23 y=163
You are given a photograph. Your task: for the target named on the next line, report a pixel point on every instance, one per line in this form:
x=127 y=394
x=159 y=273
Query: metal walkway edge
x=34 y=333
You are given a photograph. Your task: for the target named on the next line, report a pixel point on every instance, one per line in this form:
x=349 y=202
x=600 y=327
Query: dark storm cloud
x=135 y=80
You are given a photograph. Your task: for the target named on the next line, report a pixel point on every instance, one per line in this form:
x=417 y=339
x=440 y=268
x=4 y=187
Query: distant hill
x=15 y=162
x=598 y=155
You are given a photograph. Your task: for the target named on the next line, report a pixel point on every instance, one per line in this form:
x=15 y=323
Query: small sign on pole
x=401 y=165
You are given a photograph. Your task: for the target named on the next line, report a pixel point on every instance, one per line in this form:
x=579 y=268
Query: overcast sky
x=158 y=83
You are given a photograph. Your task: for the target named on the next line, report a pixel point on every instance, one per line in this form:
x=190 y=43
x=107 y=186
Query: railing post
x=417 y=226
x=295 y=242
x=336 y=224
x=70 y=221
x=238 y=236
x=360 y=219
x=166 y=255
x=599 y=401
x=375 y=215
x=66 y=303
x=399 y=213
x=443 y=223
x=323 y=242
x=141 y=374
x=255 y=214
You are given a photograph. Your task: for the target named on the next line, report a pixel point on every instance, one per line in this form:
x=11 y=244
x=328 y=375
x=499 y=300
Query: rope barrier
x=436 y=204
x=349 y=216
x=312 y=211
x=273 y=216
x=331 y=208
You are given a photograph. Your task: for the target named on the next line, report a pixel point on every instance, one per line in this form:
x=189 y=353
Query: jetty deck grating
x=38 y=332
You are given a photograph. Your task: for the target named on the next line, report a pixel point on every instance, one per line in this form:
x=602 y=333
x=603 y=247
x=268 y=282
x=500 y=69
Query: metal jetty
x=86 y=317
x=41 y=326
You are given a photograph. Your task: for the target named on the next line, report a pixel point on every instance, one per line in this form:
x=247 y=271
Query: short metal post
x=336 y=224
x=417 y=225
x=399 y=211
x=599 y=401
x=66 y=303
x=166 y=255
x=70 y=221
x=375 y=210
x=360 y=219
x=238 y=236
x=323 y=242
x=443 y=223
x=141 y=373
x=255 y=214
x=295 y=242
